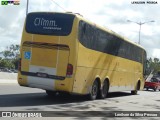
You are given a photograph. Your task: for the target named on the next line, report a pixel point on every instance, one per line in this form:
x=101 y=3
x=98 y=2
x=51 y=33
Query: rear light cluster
x=69 y=70
x=19 y=64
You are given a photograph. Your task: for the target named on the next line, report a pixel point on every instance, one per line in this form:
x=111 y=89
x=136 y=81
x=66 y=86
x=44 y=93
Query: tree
x=11 y=52
x=7 y=64
x=11 y=57
x=154 y=65
x=156 y=60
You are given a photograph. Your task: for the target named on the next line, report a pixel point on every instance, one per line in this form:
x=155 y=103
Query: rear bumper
x=46 y=75
x=46 y=83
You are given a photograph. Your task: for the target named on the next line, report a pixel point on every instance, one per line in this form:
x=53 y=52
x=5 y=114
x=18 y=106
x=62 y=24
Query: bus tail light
x=69 y=70
x=19 y=64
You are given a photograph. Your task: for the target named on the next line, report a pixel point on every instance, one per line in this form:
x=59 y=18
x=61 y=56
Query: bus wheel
x=104 y=91
x=94 y=91
x=51 y=93
x=134 y=92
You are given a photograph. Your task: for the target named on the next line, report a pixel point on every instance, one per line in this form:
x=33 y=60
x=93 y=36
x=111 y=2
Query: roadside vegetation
x=9 y=58
x=153 y=65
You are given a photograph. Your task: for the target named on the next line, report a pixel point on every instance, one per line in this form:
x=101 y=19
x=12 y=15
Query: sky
x=112 y=14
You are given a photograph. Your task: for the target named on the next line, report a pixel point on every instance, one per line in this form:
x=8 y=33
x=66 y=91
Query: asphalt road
x=16 y=98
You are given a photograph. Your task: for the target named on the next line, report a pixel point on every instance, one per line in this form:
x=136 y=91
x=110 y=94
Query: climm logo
x=46 y=24
x=43 y=22
x=10 y=2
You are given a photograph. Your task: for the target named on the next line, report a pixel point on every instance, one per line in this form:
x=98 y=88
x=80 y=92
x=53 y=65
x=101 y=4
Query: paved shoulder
x=6 y=78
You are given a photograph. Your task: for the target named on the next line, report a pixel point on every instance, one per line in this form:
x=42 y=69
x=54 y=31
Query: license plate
x=41 y=74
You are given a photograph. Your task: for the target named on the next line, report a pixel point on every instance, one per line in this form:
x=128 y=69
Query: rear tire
x=134 y=92
x=51 y=93
x=94 y=91
x=104 y=91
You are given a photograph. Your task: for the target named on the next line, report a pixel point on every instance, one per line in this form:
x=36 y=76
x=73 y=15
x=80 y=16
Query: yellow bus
x=63 y=52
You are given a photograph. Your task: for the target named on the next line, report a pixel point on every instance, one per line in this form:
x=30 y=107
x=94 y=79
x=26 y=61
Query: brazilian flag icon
x=16 y=2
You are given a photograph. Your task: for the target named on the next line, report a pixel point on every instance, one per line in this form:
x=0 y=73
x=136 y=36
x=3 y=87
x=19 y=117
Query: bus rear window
x=49 y=23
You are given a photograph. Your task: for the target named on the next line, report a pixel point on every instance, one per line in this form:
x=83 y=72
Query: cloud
x=156 y=53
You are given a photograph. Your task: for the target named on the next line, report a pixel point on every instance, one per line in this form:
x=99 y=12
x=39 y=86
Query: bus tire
x=104 y=90
x=51 y=93
x=134 y=92
x=94 y=91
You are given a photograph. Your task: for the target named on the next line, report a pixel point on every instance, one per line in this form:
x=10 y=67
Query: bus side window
x=84 y=28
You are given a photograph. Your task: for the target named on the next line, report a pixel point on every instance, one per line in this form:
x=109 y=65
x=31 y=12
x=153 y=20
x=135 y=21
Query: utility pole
x=140 y=23
x=27 y=7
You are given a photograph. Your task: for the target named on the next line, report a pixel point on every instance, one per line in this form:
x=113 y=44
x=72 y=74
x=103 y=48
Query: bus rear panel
x=47 y=52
